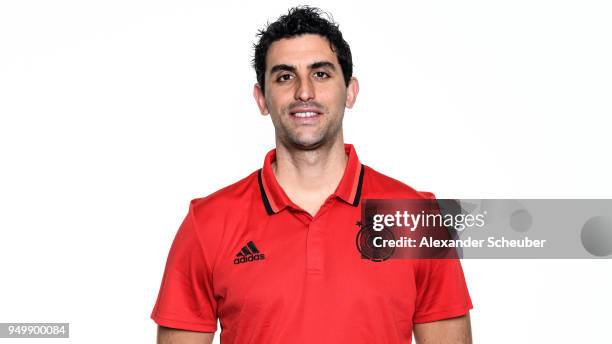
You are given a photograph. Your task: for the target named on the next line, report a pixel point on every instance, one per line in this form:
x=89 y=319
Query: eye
x=321 y=75
x=284 y=77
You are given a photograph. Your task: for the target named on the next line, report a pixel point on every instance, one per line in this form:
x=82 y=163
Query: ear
x=351 y=92
x=260 y=99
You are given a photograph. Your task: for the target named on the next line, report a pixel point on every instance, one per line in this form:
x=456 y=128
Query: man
x=273 y=256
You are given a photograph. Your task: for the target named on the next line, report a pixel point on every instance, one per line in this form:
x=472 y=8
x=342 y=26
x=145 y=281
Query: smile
x=304 y=114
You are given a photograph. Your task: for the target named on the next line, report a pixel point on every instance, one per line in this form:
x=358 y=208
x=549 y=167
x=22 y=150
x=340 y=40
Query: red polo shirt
x=272 y=273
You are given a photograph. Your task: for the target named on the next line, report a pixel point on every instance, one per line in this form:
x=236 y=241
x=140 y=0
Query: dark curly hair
x=302 y=20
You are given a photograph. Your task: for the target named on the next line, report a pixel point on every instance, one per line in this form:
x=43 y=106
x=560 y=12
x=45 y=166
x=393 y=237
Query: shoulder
x=378 y=185
x=227 y=198
x=214 y=215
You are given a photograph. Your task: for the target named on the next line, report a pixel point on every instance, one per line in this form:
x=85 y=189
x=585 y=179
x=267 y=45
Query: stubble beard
x=324 y=136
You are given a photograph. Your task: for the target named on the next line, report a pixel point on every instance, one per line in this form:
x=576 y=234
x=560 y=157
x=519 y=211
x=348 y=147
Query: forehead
x=300 y=51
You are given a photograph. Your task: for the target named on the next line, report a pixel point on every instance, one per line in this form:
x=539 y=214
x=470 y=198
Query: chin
x=307 y=144
x=306 y=139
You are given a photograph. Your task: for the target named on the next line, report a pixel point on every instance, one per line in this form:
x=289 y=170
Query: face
x=305 y=93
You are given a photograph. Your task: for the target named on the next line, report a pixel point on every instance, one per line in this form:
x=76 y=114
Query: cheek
x=334 y=96
x=277 y=101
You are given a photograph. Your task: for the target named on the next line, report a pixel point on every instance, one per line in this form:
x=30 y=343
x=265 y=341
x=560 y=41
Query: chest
x=293 y=264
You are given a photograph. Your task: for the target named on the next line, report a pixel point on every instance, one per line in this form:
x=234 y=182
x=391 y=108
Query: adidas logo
x=248 y=253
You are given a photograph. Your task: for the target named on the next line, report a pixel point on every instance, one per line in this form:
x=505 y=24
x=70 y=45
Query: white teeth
x=304 y=114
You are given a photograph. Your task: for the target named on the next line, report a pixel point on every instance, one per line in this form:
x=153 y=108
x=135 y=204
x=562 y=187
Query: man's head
x=304 y=78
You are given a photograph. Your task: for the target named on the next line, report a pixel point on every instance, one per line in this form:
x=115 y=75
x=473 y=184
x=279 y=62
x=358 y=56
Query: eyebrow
x=315 y=65
x=321 y=64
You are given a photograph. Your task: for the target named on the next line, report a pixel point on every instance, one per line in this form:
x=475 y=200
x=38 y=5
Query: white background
x=115 y=114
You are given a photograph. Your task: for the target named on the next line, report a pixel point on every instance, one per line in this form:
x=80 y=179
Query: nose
x=305 y=90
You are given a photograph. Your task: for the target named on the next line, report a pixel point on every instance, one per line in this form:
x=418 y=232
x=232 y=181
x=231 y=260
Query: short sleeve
x=186 y=300
x=441 y=290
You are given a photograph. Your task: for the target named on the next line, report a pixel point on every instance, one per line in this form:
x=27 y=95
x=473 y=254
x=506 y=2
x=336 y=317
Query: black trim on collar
x=358 y=192
x=264 y=197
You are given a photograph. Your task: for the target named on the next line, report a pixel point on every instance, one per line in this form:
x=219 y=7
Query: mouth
x=305 y=114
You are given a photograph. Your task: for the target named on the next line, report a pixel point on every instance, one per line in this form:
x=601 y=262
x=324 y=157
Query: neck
x=310 y=176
